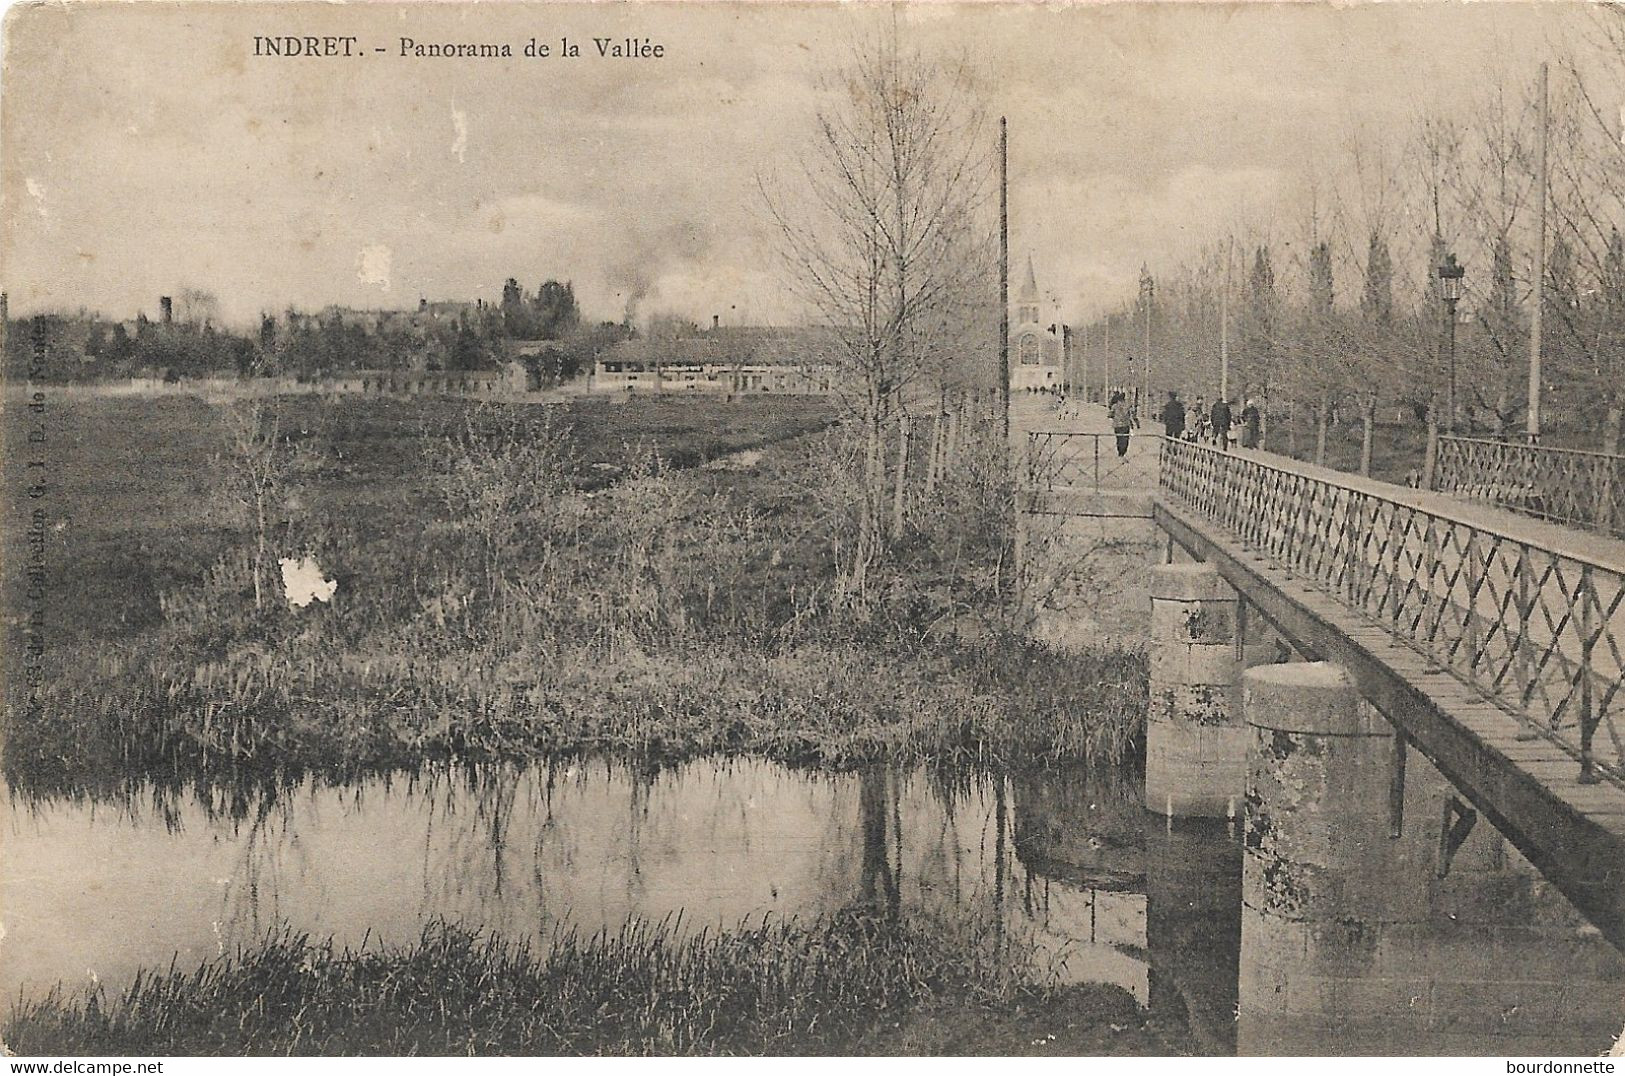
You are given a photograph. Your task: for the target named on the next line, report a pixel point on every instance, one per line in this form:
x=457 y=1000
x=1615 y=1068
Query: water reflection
x=1080 y=844
x=1193 y=921
x=1060 y=855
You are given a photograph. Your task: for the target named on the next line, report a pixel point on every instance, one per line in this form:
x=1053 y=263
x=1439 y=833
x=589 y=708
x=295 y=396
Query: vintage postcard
x=678 y=529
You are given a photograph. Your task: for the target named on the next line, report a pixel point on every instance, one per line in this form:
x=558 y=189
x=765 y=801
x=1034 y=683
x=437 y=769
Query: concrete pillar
x=1370 y=931
x=1316 y=826
x=1195 y=742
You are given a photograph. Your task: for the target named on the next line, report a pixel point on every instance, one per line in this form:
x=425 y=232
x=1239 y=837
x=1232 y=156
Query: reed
x=775 y=987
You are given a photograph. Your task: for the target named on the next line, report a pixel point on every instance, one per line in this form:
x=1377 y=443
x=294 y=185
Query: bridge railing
x=1535 y=630
x=1579 y=489
x=1062 y=460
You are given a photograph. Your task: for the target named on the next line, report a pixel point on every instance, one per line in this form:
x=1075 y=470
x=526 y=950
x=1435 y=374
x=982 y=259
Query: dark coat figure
x=1252 y=424
x=1122 y=420
x=1173 y=416
x=1221 y=423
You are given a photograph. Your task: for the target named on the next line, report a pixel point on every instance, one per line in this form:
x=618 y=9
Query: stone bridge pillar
x=1195 y=742
x=1380 y=913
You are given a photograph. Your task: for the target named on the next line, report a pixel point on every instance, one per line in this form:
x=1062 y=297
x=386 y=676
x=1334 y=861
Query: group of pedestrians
x=1217 y=425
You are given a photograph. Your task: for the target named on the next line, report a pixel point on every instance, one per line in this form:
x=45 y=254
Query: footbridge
x=1433 y=789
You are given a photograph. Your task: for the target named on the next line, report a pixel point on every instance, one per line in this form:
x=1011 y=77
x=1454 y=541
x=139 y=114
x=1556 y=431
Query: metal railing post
x=1430 y=455
x=1588 y=719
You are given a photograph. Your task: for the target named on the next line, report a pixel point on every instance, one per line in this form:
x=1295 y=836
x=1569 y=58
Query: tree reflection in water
x=1055 y=857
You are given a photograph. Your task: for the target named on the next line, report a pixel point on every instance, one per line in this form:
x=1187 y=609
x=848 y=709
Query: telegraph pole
x=1004 y=274
x=1147 y=295
x=1540 y=273
x=1106 y=359
x=1084 y=356
x=1224 y=325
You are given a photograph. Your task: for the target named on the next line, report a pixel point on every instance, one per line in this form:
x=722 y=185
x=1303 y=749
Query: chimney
x=166 y=308
x=716 y=319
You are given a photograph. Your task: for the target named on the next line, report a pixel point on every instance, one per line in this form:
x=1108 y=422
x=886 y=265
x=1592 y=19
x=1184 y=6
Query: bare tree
x=885 y=240
x=1373 y=185
x=1587 y=175
x=1493 y=189
x=257 y=470
x=197 y=306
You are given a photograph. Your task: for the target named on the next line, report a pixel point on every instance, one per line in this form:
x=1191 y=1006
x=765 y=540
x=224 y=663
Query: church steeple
x=1027 y=297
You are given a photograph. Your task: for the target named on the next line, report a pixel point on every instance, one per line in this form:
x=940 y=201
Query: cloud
x=1137 y=133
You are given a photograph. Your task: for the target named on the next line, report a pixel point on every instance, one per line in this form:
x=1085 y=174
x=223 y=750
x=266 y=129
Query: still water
x=1110 y=893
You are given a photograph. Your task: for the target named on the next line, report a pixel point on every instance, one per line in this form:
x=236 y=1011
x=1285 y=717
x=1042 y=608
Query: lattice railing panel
x=1577 y=489
x=1540 y=633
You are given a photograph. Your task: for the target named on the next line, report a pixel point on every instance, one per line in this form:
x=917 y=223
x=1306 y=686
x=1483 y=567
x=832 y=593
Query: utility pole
x=1106 y=360
x=1540 y=272
x=1004 y=274
x=1147 y=294
x=1084 y=356
x=1224 y=325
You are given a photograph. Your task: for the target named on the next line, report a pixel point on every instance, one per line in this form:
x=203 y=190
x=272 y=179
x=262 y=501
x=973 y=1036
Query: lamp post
x=1450 y=275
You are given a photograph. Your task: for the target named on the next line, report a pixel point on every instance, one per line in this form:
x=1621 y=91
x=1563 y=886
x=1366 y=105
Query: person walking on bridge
x=1122 y=421
x=1199 y=420
x=1173 y=416
x=1251 y=424
x=1221 y=424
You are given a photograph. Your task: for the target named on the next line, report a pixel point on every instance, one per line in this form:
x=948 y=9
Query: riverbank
x=828 y=705
x=848 y=983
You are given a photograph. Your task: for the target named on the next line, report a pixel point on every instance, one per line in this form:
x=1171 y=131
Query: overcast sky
x=146 y=149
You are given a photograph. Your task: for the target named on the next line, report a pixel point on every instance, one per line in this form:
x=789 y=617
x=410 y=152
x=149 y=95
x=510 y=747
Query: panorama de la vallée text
x=305 y=46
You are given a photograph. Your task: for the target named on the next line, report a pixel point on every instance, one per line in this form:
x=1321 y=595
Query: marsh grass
x=668 y=614
x=777 y=987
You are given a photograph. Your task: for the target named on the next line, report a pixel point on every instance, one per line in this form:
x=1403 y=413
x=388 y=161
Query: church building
x=1037 y=339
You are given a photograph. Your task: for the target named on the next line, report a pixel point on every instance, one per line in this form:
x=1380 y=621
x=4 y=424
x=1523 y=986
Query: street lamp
x=1450 y=275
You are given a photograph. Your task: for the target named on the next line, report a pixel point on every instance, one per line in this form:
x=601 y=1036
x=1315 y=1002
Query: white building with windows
x=1037 y=339
x=741 y=360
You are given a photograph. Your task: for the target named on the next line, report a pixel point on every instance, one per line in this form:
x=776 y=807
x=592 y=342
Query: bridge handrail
x=1551 y=450
x=1047 y=458
x=1534 y=628
x=1566 y=546
x=1571 y=486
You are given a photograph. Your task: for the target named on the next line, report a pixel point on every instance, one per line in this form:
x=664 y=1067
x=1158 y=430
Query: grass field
x=1397 y=449
x=133 y=480
x=510 y=584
